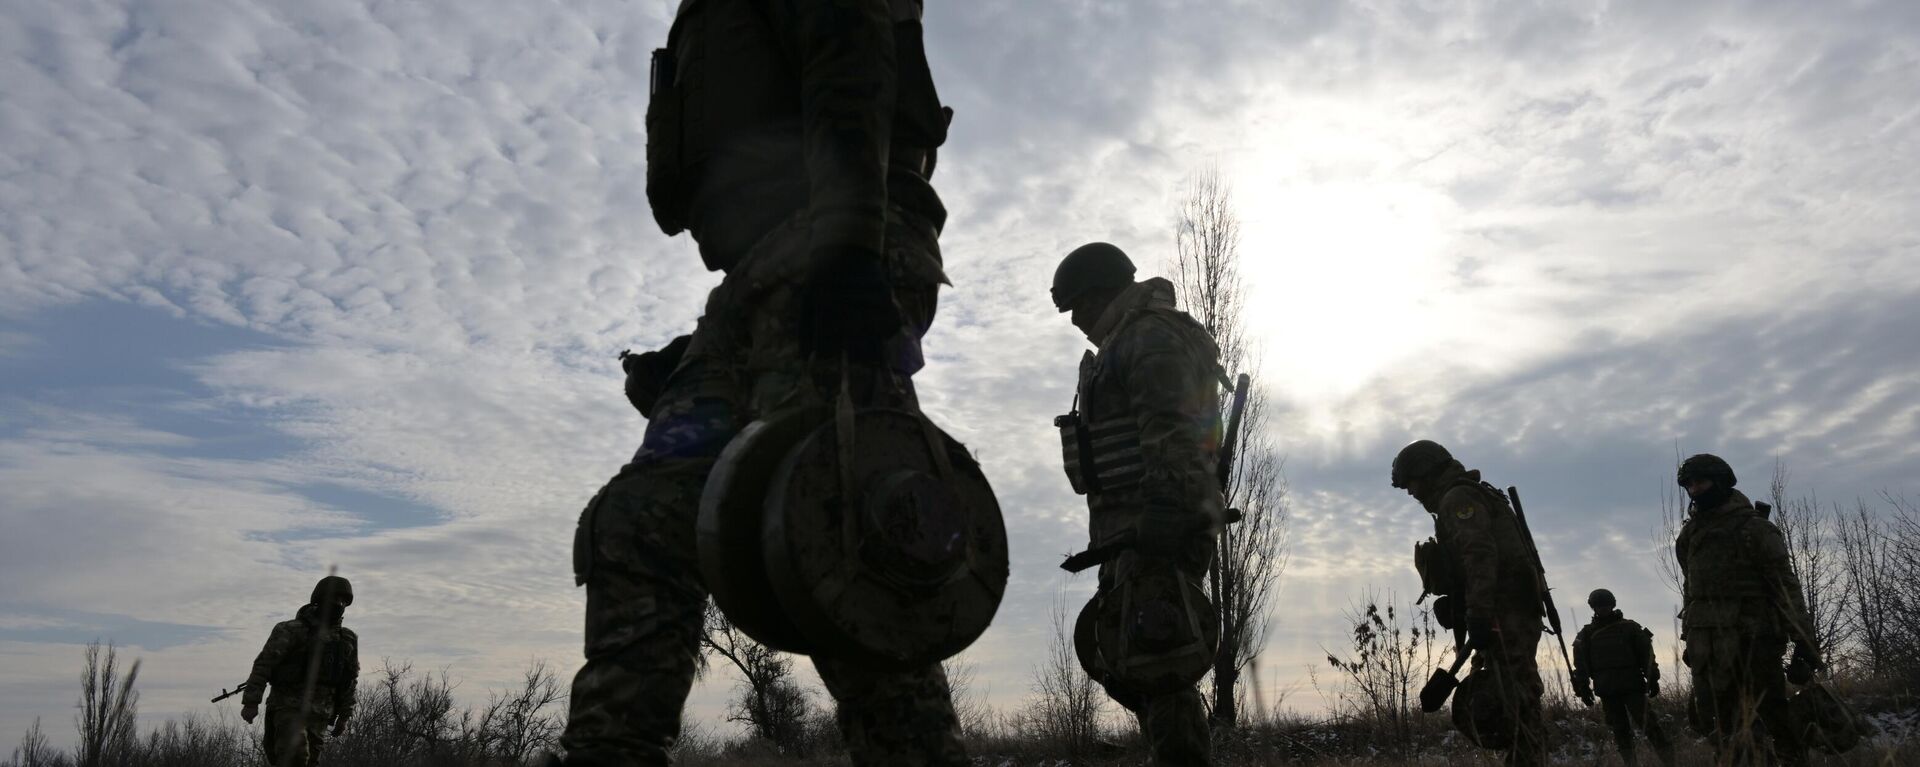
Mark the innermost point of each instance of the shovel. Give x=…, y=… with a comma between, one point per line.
x=1440, y=687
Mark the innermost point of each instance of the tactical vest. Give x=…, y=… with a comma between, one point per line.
x=336, y=662
x=1110, y=435
x=1100, y=457
x=1613, y=658
x=725, y=73
x=1725, y=584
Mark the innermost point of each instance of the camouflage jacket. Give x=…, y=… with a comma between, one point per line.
x=785, y=106
x=1735, y=573
x=282, y=663
x=1615, y=655
x=1150, y=399
x=1477, y=530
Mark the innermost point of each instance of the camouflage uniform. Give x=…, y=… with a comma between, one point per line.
x=291, y=741
x=1742, y=601
x=1499, y=584
x=1150, y=399
x=1613, y=658
x=784, y=177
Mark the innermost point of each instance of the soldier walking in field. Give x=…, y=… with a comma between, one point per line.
x=1143, y=442
x=313, y=664
x=1484, y=567
x=795, y=141
x=1742, y=606
x=1613, y=658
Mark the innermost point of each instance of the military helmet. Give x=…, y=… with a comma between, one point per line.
x=332, y=587
x=1091, y=266
x=1419, y=459
x=1706, y=466
x=1601, y=599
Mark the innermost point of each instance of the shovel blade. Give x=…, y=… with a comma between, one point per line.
x=1437, y=690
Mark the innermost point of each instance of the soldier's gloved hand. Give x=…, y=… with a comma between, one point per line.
x=1653, y=688
x=1584, y=692
x=647, y=373
x=1805, y=661
x=1481, y=633
x=848, y=305
x=248, y=712
x=339, y=726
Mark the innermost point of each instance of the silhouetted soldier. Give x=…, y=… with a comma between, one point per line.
x=1495, y=584
x=1613, y=658
x=794, y=140
x=1144, y=446
x=313, y=663
x=1742, y=605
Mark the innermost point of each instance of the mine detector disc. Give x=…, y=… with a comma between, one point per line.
x=732, y=510
x=1155, y=633
x=907, y=571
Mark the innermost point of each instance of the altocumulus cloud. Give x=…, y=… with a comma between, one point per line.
x=377, y=258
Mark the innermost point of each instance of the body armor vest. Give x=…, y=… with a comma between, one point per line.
x=1613, y=658
x=1723, y=582
x=336, y=659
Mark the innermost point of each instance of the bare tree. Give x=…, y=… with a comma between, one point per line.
x=34, y=751
x=516, y=724
x=1387, y=659
x=1815, y=559
x=1252, y=554
x=969, y=705
x=769, y=702
x=108, y=707
x=1065, y=710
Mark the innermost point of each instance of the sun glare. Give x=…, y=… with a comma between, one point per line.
x=1338, y=276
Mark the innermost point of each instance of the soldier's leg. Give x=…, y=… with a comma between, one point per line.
x=286, y=741
x=1520, y=675
x=317, y=723
x=1619, y=716
x=894, y=718
x=645, y=605
x=1769, y=684
x=1648, y=720
x=1175, y=729
x=1709, y=656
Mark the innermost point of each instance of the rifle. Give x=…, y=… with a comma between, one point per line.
x=225, y=694
x=1103, y=552
x=1546, y=592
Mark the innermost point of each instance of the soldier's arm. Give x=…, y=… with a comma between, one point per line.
x=1580, y=673
x=1473, y=541
x=1770, y=549
x=1646, y=651
x=845, y=52
x=344, y=696
x=278, y=643
x=1177, y=408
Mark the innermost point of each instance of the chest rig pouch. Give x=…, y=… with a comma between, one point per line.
x=1436, y=568
x=726, y=72
x=1100, y=456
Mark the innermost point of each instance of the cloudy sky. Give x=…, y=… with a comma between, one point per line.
x=286, y=286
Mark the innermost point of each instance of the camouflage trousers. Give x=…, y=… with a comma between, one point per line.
x=635, y=545
x=1626, y=713
x=1174, y=725
x=1738, y=686
x=291, y=742
x=1516, y=671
